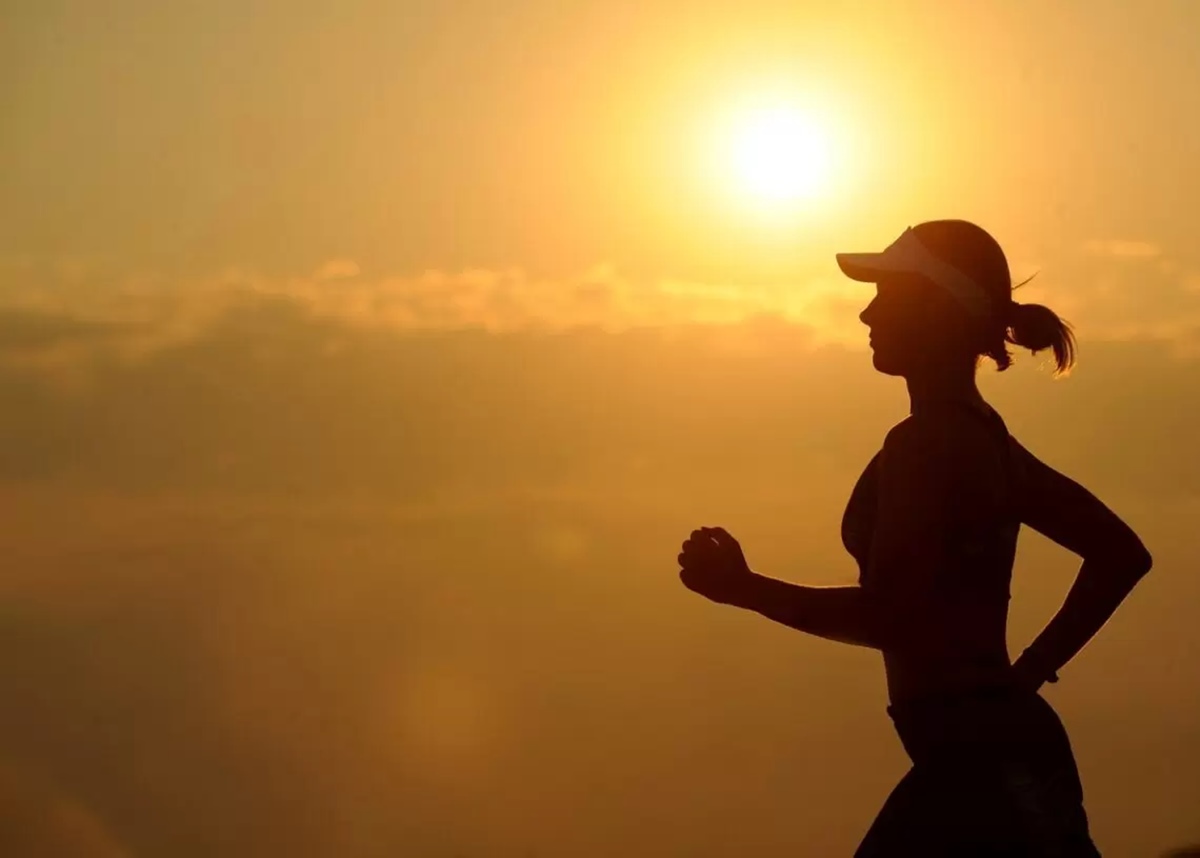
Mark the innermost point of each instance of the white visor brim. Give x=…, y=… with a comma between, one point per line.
x=907, y=255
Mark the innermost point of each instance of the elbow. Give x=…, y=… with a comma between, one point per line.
x=1129, y=561
x=1135, y=558
x=1140, y=562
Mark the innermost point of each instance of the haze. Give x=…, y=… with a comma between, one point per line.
x=363, y=365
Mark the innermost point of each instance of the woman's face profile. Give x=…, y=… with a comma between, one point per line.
x=912, y=324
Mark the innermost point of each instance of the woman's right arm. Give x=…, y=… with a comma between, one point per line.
x=842, y=614
x=1114, y=560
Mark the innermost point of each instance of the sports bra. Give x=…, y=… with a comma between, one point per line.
x=983, y=554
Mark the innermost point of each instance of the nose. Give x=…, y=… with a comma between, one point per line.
x=867, y=314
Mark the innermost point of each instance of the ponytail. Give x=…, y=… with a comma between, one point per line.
x=1035, y=327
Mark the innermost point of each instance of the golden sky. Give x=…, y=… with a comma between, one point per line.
x=363, y=365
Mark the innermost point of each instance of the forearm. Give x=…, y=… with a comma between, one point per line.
x=1098, y=590
x=842, y=614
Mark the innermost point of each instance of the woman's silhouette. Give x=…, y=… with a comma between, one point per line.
x=933, y=524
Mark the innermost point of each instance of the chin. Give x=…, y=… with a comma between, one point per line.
x=885, y=364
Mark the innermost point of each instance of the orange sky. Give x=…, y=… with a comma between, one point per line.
x=364, y=364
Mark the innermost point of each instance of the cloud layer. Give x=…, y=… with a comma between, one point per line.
x=74, y=307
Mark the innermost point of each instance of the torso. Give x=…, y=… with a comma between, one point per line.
x=972, y=651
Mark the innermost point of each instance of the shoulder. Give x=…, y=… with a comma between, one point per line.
x=947, y=447
x=941, y=434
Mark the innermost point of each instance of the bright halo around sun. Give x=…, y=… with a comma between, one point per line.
x=779, y=155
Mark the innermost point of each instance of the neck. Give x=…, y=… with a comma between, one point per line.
x=945, y=384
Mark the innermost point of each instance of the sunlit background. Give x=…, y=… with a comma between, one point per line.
x=363, y=365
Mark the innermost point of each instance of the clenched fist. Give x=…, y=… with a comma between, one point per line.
x=712, y=564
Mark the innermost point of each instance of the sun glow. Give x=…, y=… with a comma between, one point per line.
x=778, y=155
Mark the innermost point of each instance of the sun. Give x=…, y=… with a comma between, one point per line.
x=778, y=155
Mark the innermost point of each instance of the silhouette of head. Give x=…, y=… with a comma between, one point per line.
x=944, y=296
